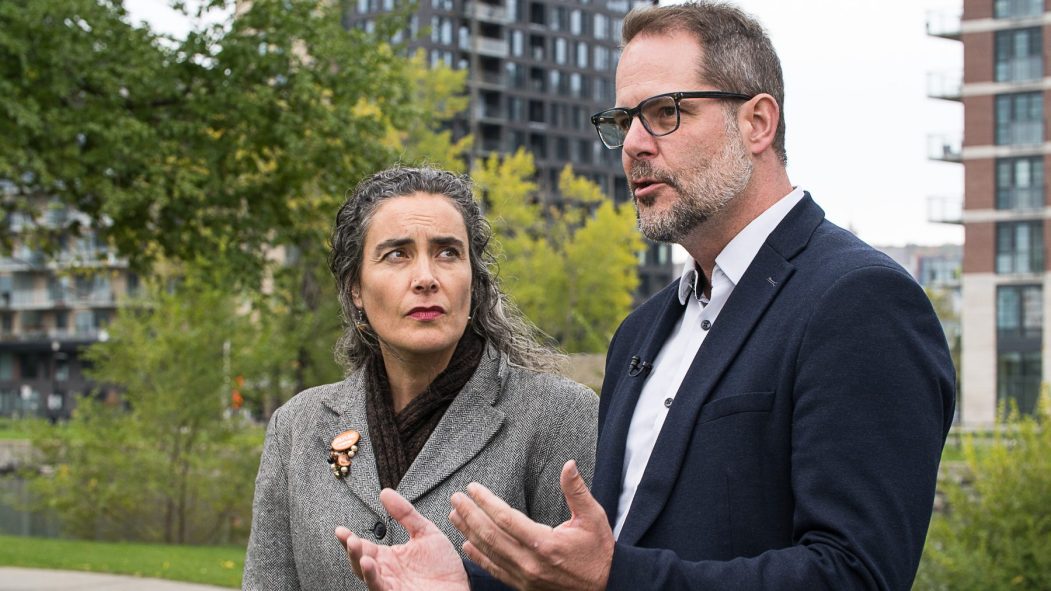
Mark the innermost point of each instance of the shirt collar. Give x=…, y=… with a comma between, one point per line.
x=738, y=254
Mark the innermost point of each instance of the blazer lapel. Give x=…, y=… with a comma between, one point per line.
x=463, y=431
x=765, y=277
x=609, y=460
x=348, y=406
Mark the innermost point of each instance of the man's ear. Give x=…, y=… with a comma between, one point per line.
x=758, y=119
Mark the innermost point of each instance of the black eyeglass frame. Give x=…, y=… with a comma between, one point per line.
x=676, y=96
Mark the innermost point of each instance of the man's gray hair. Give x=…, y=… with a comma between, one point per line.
x=493, y=316
x=738, y=54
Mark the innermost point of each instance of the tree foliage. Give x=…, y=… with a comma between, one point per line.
x=995, y=530
x=173, y=462
x=243, y=136
x=571, y=266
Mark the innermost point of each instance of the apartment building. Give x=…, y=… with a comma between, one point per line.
x=51, y=308
x=537, y=71
x=1004, y=207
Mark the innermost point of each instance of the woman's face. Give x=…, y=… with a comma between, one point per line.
x=415, y=285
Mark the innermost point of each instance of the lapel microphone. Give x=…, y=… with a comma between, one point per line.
x=638, y=366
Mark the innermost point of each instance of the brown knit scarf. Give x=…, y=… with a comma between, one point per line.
x=398, y=438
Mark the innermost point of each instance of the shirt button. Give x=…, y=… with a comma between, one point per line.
x=705, y=325
x=379, y=530
x=667, y=402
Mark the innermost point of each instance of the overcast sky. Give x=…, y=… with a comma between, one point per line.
x=856, y=108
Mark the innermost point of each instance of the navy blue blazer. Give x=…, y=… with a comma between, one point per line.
x=802, y=449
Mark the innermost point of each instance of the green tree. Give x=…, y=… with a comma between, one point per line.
x=571, y=266
x=995, y=529
x=241, y=137
x=221, y=149
x=174, y=461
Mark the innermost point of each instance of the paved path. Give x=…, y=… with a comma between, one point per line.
x=31, y=579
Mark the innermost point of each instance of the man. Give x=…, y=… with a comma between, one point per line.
x=772, y=420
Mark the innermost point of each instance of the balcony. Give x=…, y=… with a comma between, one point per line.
x=944, y=210
x=492, y=47
x=945, y=85
x=945, y=147
x=946, y=24
x=489, y=13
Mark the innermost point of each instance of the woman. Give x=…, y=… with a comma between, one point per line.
x=445, y=385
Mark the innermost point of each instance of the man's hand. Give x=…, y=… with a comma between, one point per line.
x=428, y=561
x=529, y=555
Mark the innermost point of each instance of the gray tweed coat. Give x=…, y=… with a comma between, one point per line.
x=510, y=429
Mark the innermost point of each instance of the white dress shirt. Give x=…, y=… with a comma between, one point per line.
x=679, y=351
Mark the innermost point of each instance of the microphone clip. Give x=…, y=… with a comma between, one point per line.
x=639, y=367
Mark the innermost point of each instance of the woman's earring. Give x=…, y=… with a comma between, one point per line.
x=360, y=322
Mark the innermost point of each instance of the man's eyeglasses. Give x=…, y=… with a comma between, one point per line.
x=658, y=114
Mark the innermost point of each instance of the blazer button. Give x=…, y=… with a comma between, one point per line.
x=379, y=530
x=705, y=325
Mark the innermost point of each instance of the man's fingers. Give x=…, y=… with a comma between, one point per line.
x=342, y=534
x=479, y=558
x=578, y=497
x=508, y=519
x=404, y=513
x=371, y=571
x=484, y=536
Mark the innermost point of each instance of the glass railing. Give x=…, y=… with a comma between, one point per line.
x=944, y=23
x=942, y=209
x=945, y=85
x=945, y=147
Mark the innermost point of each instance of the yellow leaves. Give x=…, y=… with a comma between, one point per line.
x=367, y=109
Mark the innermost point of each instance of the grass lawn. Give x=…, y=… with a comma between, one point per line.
x=11, y=429
x=213, y=565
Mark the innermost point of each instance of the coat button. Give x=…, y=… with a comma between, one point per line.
x=379, y=530
x=705, y=325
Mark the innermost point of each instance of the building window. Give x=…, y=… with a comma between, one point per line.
x=560, y=18
x=1019, y=312
x=601, y=26
x=1019, y=247
x=601, y=58
x=1018, y=55
x=7, y=367
x=1018, y=379
x=1017, y=8
x=536, y=112
x=561, y=51
x=538, y=145
x=517, y=43
x=537, y=14
x=1020, y=183
x=1020, y=118
x=582, y=54
x=515, y=108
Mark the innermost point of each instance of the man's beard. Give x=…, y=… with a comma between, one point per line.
x=703, y=190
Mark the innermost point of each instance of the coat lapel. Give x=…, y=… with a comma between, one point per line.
x=765, y=277
x=463, y=431
x=609, y=466
x=348, y=406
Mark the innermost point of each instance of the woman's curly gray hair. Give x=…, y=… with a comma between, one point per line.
x=493, y=316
